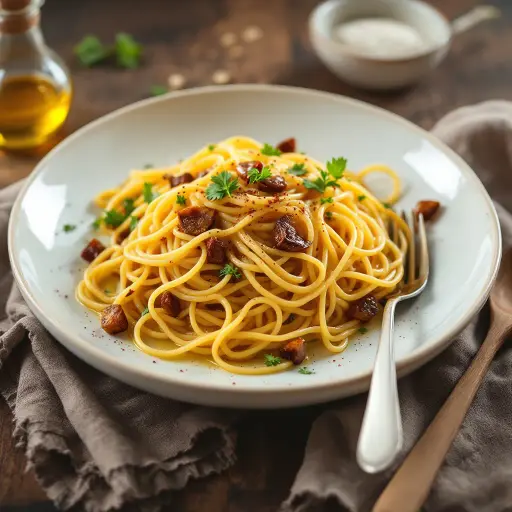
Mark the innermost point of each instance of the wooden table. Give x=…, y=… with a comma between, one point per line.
x=184, y=37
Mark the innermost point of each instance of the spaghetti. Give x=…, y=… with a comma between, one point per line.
x=261, y=291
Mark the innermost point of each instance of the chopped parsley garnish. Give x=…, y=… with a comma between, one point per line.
x=271, y=360
x=68, y=227
x=336, y=167
x=324, y=200
x=133, y=222
x=362, y=330
x=329, y=178
x=128, y=51
x=270, y=150
x=148, y=166
x=305, y=371
x=107, y=291
x=361, y=198
x=386, y=205
x=211, y=147
x=255, y=175
x=147, y=192
x=230, y=270
x=328, y=215
x=129, y=206
x=90, y=50
x=113, y=218
x=223, y=184
x=181, y=200
x=297, y=170
x=145, y=312
x=158, y=90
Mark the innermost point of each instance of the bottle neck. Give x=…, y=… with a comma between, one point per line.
x=20, y=21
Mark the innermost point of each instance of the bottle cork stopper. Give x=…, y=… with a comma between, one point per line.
x=14, y=5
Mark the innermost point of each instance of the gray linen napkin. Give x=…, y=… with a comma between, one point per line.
x=97, y=445
x=477, y=473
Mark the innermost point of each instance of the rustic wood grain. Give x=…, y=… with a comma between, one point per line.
x=183, y=37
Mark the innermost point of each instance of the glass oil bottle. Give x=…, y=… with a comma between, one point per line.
x=35, y=85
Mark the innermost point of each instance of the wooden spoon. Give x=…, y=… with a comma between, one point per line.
x=409, y=488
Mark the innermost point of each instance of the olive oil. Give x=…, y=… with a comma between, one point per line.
x=32, y=108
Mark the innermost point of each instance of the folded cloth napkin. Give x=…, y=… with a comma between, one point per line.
x=96, y=444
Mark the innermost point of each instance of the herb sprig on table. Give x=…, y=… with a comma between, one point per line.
x=90, y=51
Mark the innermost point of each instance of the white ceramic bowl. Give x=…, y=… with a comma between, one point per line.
x=465, y=240
x=368, y=72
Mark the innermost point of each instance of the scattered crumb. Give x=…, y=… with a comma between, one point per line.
x=221, y=76
x=252, y=33
x=227, y=39
x=176, y=81
x=235, y=52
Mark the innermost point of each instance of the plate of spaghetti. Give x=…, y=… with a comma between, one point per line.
x=236, y=250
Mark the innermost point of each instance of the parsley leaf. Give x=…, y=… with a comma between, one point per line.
x=145, y=312
x=181, y=200
x=230, y=270
x=386, y=205
x=158, y=90
x=305, y=371
x=129, y=206
x=128, y=51
x=113, y=218
x=297, y=170
x=255, y=175
x=362, y=330
x=68, y=227
x=211, y=147
x=133, y=222
x=321, y=183
x=336, y=167
x=96, y=224
x=324, y=200
x=361, y=198
x=222, y=185
x=90, y=50
x=328, y=215
x=270, y=150
x=271, y=360
x=147, y=192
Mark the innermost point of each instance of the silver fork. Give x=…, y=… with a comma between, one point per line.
x=381, y=436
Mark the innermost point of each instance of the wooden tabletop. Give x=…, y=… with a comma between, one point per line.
x=185, y=38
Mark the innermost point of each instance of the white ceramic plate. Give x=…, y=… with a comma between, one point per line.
x=464, y=241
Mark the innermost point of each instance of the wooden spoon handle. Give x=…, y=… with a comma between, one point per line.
x=409, y=488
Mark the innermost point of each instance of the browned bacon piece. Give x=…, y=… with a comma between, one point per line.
x=92, y=250
x=195, y=220
x=216, y=250
x=294, y=351
x=364, y=309
x=170, y=304
x=180, y=179
x=273, y=185
x=427, y=208
x=113, y=319
x=286, y=237
x=287, y=145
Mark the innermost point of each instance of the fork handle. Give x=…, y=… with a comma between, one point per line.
x=381, y=436
x=410, y=486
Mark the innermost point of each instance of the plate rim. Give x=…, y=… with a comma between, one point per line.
x=407, y=364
